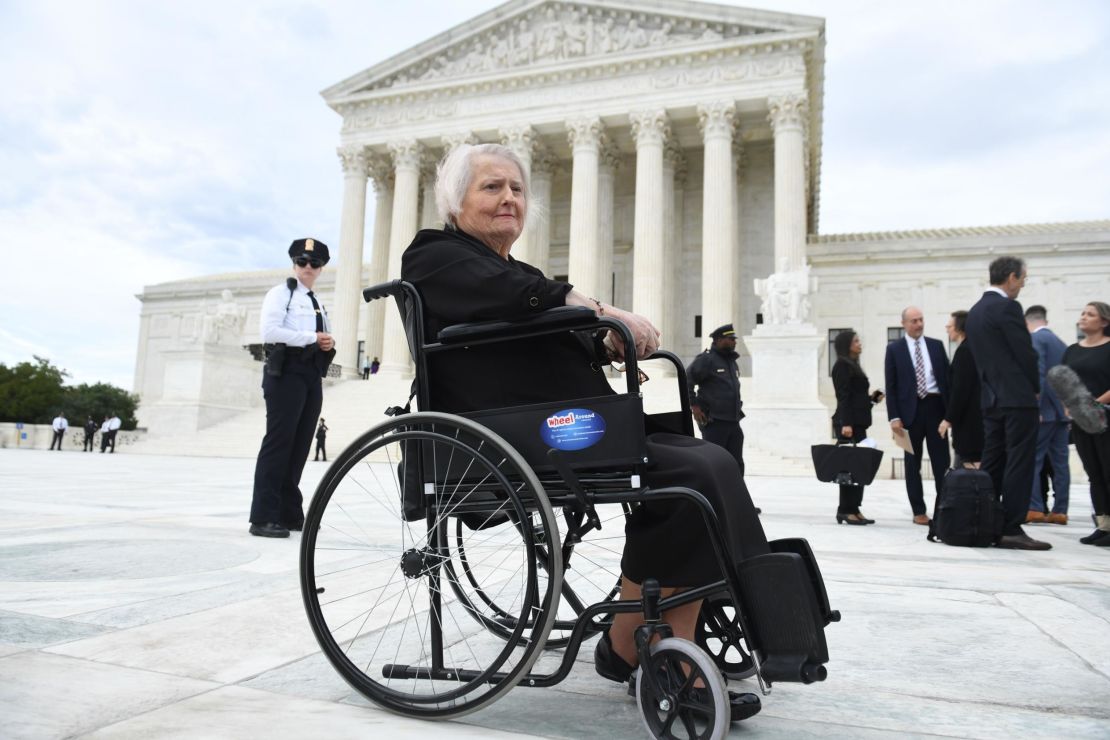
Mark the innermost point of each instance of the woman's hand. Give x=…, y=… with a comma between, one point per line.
x=942, y=430
x=643, y=333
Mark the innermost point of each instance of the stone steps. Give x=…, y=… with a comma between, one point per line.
x=353, y=406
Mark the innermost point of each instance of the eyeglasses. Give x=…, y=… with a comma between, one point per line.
x=305, y=262
x=640, y=374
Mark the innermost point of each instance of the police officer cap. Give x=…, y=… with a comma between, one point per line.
x=724, y=331
x=313, y=249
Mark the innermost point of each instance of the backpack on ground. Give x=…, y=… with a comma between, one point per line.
x=967, y=512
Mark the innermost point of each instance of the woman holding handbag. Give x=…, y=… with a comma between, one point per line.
x=852, y=416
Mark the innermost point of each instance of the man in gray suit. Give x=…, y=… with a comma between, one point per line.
x=1052, y=433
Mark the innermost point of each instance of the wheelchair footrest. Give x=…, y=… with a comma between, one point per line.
x=785, y=620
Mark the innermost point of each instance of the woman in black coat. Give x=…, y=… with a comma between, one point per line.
x=852, y=416
x=964, y=415
x=464, y=272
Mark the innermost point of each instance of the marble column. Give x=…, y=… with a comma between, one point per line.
x=608, y=164
x=381, y=172
x=429, y=218
x=521, y=139
x=649, y=130
x=788, y=114
x=585, y=136
x=348, y=274
x=544, y=165
x=406, y=189
x=718, y=250
x=674, y=180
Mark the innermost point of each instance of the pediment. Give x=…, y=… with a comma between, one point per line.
x=525, y=34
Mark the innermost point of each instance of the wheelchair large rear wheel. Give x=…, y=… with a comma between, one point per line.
x=372, y=567
x=591, y=575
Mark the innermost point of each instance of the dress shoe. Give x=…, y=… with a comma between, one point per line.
x=865, y=519
x=1056, y=518
x=1035, y=517
x=295, y=527
x=608, y=664
x=1095, y=537
x=269, y=529
x=855, y=519
x=922, y=519
x=741, y=705
x=1021, y=542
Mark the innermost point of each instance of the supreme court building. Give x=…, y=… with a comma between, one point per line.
x=674, y=151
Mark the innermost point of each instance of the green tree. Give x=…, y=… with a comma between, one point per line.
x=98, y=401
x=31, y=392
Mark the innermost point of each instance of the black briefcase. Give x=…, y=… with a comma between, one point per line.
x=846, y=464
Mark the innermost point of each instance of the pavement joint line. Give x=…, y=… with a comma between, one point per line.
x=1051, y=637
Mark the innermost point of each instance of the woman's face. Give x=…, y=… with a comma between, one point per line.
x=1090, y=322
x=953, y=333
x=494, y=207
x=856, y=347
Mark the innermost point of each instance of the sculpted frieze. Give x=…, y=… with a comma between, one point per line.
x=559, y=32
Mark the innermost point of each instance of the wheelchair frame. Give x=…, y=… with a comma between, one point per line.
x=568, y=490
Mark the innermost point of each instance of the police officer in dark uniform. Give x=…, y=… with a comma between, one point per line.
x=716, y=403
x=299, y=348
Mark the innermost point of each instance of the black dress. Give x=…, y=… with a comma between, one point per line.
x=964, y=411
x=853, y=409
x=1092, y=365
x=460, y=279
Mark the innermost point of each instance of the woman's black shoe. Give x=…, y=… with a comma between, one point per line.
x=1097, y=537
x=865, y=519
x=844, y=519
x=741, y=706
x=608, y=664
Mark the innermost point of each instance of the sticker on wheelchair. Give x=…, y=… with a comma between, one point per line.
x=573, y=429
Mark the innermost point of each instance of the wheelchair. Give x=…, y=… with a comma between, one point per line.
x=444, y=556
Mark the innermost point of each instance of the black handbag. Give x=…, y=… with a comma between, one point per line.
x=849, y=465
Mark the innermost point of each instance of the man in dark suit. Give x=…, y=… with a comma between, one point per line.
x=1007, y=363
x=1052, y=432
x=916, y=386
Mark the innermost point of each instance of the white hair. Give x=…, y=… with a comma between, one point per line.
x=456, y=172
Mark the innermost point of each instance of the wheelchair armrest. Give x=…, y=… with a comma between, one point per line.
x=561, y=317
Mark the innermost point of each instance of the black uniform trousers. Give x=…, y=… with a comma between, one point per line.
x=58, y=437
x=108, y=439
x=321, y=448
x=923, y=431
x=729, y=435
x=1009, y=451
x=293, y=403
x=89, y=438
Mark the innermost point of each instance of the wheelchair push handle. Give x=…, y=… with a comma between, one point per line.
x=393, y=288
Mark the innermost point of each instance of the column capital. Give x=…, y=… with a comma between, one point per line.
x=355, y=160
x=380, y=171
x=673, y=156
x=521, y=138
x=716, y=119
x=428, y=163
x=585, y=133
x=457, y=139
x=544, y=161
x=650, y=126
x=406, y=154
x=609, y=154
x=788, y=111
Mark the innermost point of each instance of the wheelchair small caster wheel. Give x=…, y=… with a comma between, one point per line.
x=687, y=698
x=718, y=633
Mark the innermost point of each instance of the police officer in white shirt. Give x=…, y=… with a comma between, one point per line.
x=114, y=425
x=60, y=425
x=299, y=347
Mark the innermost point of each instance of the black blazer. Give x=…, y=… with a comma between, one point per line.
x=853, y=406
x=964, y=413
x=901, y=380
x=1003, y=352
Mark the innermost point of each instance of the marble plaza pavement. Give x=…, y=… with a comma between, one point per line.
x=133, y=604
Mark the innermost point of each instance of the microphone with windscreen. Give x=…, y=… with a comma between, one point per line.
x=1084, y=410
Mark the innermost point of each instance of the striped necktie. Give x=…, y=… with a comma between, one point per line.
x=919, y=369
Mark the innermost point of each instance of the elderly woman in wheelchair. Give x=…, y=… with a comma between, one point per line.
x=438, y=526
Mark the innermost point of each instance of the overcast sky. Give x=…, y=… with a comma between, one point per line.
x=142, y=142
